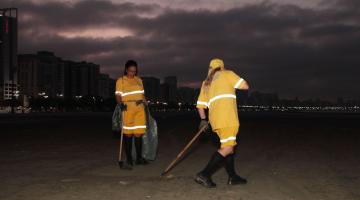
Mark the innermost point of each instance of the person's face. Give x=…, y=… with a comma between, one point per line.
x=131, y=71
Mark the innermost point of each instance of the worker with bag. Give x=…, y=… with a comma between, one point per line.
x=134, y=117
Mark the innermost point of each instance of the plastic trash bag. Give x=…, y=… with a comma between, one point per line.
x=116, y=119
x=150, y=138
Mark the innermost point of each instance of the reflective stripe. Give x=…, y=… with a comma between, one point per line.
x=133, y=127
x=238, y=83
x=220, y=97
x=119, y=92
x=228, y=139
x=216, y=98
x=133, y=92
x=202, y=103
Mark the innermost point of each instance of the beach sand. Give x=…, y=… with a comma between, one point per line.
x=283, y=156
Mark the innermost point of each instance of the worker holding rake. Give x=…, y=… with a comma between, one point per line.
x=218, y=95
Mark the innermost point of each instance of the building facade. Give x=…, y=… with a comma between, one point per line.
x=46, y=75
x=152, y=88
x=8, y=54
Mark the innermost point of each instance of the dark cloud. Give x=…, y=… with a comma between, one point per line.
x=278, y=48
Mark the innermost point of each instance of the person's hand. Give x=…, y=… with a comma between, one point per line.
x=204, y=123
x=123, y=106
x=138, y=102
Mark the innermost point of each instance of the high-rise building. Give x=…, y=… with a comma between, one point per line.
x=112, y=83
x=152, y=88
x=28, y=67
x=106, y=90
x=171, y=81
x=164, y=92
x=8, y=54
x=50, y=74
x=44, y=74
x=84, y=79
x=187, y=95
x=41, y=74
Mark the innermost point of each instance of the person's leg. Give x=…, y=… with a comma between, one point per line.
x=234, y=179
x=138, y=145
x=140, y=123
x=128, y=149
x=226, y=150
x=228, y=143
x=215, y=162
x=204, y=177
x=128, y=122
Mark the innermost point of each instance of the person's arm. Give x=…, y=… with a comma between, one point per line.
x=236, y=81
x=243, y=85
x=144, y=99
x=202, y=114
x=201, y=105
x=143, y=96
x=119, y=92
x=118, y=98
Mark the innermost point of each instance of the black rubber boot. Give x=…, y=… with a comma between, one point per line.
x=204, y=177
x=234, y=179
x=138, y=145
x=128, y=148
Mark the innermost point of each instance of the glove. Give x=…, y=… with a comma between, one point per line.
x=123, y=106
x=203, y=123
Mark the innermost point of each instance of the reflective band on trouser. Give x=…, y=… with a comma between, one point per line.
x=221, y=97
x=227, y=139
x=133, y=127
x=118, y=93
x=133, y=92
x=238, y=83
x=227, y=136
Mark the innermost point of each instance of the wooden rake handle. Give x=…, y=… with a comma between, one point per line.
x=184, y=150
x=121, y=137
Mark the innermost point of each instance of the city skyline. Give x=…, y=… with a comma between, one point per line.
x=164, y=89
x=156, y=89
x=306, y=49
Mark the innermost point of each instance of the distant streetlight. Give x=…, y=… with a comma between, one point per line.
x=42, y=94
x=59, y=95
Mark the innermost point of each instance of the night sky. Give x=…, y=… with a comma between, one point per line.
x=308, y=48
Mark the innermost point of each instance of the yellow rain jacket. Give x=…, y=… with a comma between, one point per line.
x=220, y=98
x=132, y=90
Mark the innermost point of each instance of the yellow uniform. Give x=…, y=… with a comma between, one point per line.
x=220, y=98
x=132, y=90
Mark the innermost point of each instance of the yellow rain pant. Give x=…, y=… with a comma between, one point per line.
x=134, y=119
x=227, y=135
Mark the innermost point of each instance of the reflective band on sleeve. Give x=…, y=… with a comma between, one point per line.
x=133, y=92
x=227, y=139
x=220, y=97
x=133, y=127
x=238, y=83
x=118, y=93
x=202, y=103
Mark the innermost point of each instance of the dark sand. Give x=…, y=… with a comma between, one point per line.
x=283, y=156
